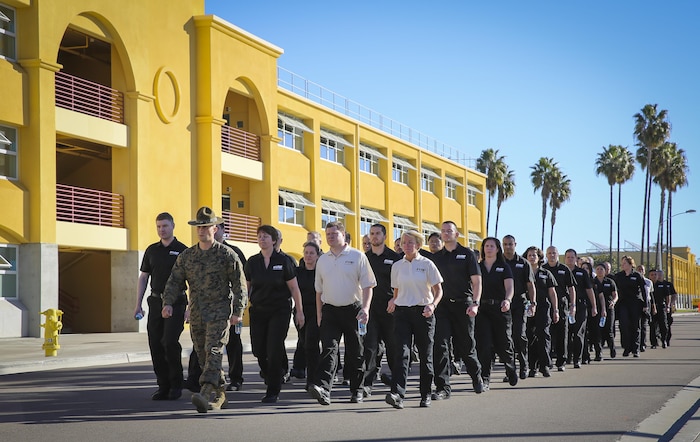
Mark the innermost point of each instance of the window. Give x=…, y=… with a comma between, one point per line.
x=8, y=271
x=291, y=207
x=369, y=217
x=427, y=179
x=471, y=194
x=402, y=224
x=332, y=146
x=472, y=240
x=332, y=211
x=450, y=190
x=291, y=130
x=399, y=170
x=428, y=229
x=8, y=152
x=368, y=163
x=8, y=37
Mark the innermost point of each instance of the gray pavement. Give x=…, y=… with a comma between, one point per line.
x=677, y=419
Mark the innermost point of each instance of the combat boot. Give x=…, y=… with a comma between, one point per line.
x=220, y=399
x=201, y=399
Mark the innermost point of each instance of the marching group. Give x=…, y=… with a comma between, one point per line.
x=438, y=309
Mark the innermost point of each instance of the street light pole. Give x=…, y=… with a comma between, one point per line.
x=670, y=241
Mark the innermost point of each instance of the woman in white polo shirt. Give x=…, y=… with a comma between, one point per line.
x=417, y=291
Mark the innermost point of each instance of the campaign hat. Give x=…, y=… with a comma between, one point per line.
x=206, y=217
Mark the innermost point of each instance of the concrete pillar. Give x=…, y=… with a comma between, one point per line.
x=38, y=282
x=125, y=275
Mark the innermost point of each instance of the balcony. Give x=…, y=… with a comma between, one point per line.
x=90, y=98
x=241, y=227
x=240, y=143
x=89, y=206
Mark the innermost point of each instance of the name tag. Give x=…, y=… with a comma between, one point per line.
x=461, y=257
x=519, y=266
x=277, y=267
x=349, y=262
x=579, y=273
x=561, y=272
x=388, y=261
x=633, y=278
x=174, y=253
x=499, y=269
x=420, y=270
x=543, y=276
x=607, y=285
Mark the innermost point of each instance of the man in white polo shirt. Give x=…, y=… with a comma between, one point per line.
x=344, y=282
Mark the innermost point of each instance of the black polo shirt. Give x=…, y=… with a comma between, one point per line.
x=564, y=277
x=457, y=268
x=583, y=282
x=662, y=291
x=268, y=285
x=630, y=288
x=522, y=274
x=381, y=266
x=544, y=280
x=493, y=286
x=158, y=261
x=305, y=279
x=607, y=287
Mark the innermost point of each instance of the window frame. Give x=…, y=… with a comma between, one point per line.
x=328, y=215
x=427, y=182
x=13, y=271
x=287, y=132
x=399, y=173
x=367, y=159
x=471, y=197
x=11, y=152
x=295, y=209
x=327, y=146
x=450, y=190
x=10, y=34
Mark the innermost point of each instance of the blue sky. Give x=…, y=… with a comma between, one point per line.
x=531, y=79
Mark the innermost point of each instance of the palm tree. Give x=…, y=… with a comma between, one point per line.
x=660, y=165
x=651, y=129
x=561, y=193
x=494, y=167
x=542, y=179
x=677, y=176
x=505, y=191
x=625, y=171
x=605, y=165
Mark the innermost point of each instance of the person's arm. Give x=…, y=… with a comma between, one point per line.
x=591, y=298
x=293, y=286
x=505, y=304
x=571, y=290
x=555, y=304
x=366, y=300
x=473, y=309
x=391, y=306
x=429, y=309
x=142, y=284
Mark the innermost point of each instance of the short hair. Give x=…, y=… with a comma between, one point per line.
x=434, y=235
x=165, y=216
x=314, y=245
x=266, y=228
x=509, y=236
x=538, y=252
x=415, y=235
x=450, y=222
x=379, y=226
x=222, y=225
x=629, y=260
x=337, y=224
x=572, y=251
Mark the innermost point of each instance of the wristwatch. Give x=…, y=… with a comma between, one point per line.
x=475, y=303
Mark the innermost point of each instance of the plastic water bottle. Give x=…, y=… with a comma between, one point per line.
x=238, y=328
x=602, y=321
x=138, y=316
x=528, y=312
x=361, y=328
x=572, y=319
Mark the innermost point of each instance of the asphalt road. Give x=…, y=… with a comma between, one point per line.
x=599, y=402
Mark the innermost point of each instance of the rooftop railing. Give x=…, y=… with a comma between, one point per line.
x=317, y=93
x=239, y=142
x=240, y=227
x=90, y=98
x=89, y=206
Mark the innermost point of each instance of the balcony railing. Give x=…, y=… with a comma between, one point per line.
x=89, y=206
x=90, y=98
x=241, y=227
x=241, y=143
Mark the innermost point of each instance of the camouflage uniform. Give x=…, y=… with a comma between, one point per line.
x=217, y=289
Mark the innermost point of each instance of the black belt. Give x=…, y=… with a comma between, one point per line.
x=460, y=300
x=491, y=301
x=410, y=307
x=354, y=305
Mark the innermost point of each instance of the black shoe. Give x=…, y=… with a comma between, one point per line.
x=394, y=400
x=270, y=399
x=174, y=393
x=663, y=345
x=598, y=358
x=346, y=382
x=386, y=379
x=561, y=368
x=356, y=397
x=625, y=353
x=512, y=376
x=194, y=387
x=440, y=395
x=297, y=373
x=160, y=394
x=234, y=386
x=532, y=374
x=653, y=347
x=456, y=368
x=425, y=401
x=635, y=354
x=577, y=365
x=643, y=349
x=613, y=353
x=478, y=385
x=523, y=373
x=320, y=394
x=546, y=373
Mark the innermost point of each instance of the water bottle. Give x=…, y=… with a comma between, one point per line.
x=238, y=327
x=528, y=312
x=602, y=321
x=138, y=316
x=361, y=328
x=572, y=318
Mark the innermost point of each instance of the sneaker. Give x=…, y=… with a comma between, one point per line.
x=270, y=399
x=577, y=365
x=598, y=358
x=486, y=384
x=234, y=386
x=635, y=354
x=440, y=395
x=523, y=373
x=366, y=391
x=394, y=400
x=320, y=394
x=356, y=397
x=425, y=401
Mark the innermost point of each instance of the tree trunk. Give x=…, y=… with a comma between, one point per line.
x=670, y=238
x=553, y=221
x=498, y=214
x=544, y=216
x=649, y=225
x=660, y=236
x=611, y=220
x=644, y=213
x=488, y=214
x=619, y=206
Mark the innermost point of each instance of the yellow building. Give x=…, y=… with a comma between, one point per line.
x=112, y=112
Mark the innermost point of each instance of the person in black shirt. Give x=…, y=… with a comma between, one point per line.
x=664, y=298
x=546, y=310
x=381, y=323
x=566, y=294
x=163, y=334
x=272, y=284
x=494, y=321
x=306, y=275
x=606, y=289
x=630, y=286
x=585, y=299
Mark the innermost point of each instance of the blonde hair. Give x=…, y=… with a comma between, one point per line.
x=415, y=235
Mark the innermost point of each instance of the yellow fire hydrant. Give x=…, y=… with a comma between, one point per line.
x=52, y=326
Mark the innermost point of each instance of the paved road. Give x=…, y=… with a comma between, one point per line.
x=599, y=402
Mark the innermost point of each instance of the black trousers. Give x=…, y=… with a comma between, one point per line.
x=312, y=341
x=452, y=321
x=539, y=336
x=268, y=330
x=493, y=334
x=560, y=333
x=519, y=333
x=380, y=328
x=607, y=333
x=644, y=321
x=412, y=326
x=164, y=343
x=577, y=332
x=630, y=325
x=337, y=322
x=234, y=354
x=669, y=321
x=659, y=326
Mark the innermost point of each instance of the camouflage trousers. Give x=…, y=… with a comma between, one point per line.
x=209, y=340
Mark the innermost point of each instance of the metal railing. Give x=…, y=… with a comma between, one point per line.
x=89, y=206
x=88, y=97
x=239, y=142
x=241, y=227
x=317, y=93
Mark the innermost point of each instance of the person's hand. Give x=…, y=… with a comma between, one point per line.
x=555, y=316
x=472, y=310
x=139, y=310
x=167, y=311
x=428, y=310
x=235, y=320
x=391, y=306
x=594, y=311
x=363, y=316
x=300, y=319
x=533, y=309
x=505, y=305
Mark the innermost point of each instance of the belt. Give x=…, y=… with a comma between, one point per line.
x=460, y=300
x=157, y=295
x=410, y=307
x=491, y=301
